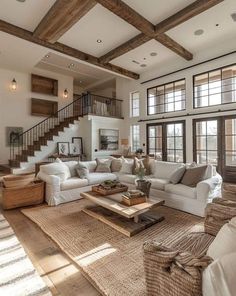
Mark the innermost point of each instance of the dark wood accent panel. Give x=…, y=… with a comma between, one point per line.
x=62, y=48
x=43, y=107
x=61, y=17
x=44, y=85
x=185, y=14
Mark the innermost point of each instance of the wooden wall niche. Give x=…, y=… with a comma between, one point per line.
x=43, y=107
x=44, y=85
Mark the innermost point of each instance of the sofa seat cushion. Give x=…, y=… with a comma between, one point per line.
x=182, y=190
x=158, y=183
x=73, y=183
x=126, y=178
x=96, y=178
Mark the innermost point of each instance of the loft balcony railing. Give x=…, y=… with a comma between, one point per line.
x=24, y=145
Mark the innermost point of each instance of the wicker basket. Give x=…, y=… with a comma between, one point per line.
x=32, y=194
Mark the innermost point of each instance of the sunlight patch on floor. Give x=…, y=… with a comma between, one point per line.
x=95, y=254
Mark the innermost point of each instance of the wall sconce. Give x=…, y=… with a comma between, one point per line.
x=13, y=84
x=65, y=94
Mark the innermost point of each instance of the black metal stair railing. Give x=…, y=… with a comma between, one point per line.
x=25, y=144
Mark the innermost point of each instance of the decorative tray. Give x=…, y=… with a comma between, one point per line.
x=107, y=188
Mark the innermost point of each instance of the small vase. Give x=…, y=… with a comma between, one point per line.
x=144, y=186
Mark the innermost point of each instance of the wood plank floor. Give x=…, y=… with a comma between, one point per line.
x=61, y=275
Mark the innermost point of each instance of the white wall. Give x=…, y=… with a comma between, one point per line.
x=124, y=87
x=89, y=130
x=15, y=106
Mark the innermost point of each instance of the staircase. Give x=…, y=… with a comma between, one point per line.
x=29, y=142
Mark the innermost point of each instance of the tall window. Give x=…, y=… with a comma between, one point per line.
x=167, y=141
x=230, y=142
x=206, y=141
x=215, y=87
x=168, y=97
x=135, y=136
x=134, y=104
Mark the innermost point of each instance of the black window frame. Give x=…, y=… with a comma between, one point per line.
x=164, y=138
x=164, y=104
x=208, y=72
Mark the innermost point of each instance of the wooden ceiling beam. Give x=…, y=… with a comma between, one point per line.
x=174, y=46
x=61, y=17
x=62, y=48
x=185, y=14
x=129, y=15
x=124, y=48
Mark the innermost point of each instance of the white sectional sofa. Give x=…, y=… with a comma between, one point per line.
x=61, y=189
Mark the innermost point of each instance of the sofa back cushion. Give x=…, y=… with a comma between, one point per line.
x=164, y=169
x=57, y=169
x=103, y=165
x=90, y=165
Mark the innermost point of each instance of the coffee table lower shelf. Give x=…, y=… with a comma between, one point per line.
x=124, y=225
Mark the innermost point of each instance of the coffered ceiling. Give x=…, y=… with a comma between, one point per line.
x=131, y=43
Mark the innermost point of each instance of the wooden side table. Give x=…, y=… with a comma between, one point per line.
x=15, y=197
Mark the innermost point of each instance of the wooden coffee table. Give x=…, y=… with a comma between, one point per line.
x=127, y=219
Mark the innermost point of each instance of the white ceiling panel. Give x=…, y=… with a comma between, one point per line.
x=26, y=15
x=83, y=73
x=157, y=10
x=134, y=59
x=98, y=23
x=18, y=54
x=207, y=21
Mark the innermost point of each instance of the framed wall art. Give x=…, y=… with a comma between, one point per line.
x=108, y=139
x=63, y=148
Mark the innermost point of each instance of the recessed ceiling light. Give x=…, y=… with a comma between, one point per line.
x=143, y=65
x=20, y=0
x=99, y=40
x=47, y=56
x=153, y=54
x=198, y=32
x=233, y=15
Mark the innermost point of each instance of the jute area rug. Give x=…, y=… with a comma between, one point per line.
x=111, y=261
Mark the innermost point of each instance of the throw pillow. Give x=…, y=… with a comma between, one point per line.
x=193, y=176
x=177, y=175
x=103, y=165
x=116, y=164
x=82, y=170
x=218, y=278
x=224, y=242
x=127, y=166
x=147, y=164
